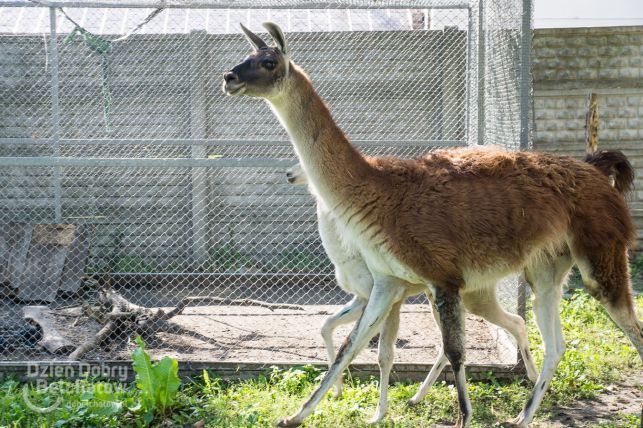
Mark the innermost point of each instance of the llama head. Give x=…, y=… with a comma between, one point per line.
x=261, y=73
x=296, y=175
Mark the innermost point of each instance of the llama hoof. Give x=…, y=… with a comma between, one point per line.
x=288, y=422
x=513, y=423
x=337, y=393
x=412, y=402
x=377, y=418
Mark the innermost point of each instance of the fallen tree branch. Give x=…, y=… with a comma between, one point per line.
x=96, y=340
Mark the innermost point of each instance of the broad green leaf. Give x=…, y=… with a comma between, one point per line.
x=145, y=380
x=167, y=381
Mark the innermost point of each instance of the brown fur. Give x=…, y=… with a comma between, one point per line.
x=614, y=164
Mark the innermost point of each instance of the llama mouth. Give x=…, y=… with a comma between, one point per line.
x=232, y=90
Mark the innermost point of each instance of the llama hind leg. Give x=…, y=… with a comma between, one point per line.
x=546, y=279
x=606, y=277
x=484, y=303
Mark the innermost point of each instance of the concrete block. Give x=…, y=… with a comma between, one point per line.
x=607, y=51
x=553, y=103
x=577, y=42
x=627, y=50
x=629, y=73
x=543, y=114
x=553, y=63
x=551, y=125
x=615, y=123
x=618, y=39
x=588, y=74
x=607, y=133
x=607, y=73
x=616, y=62
x=564, y=74
x=554, y=42
x=594, y=62
x=635, y=61
x=547, y=53
x=625, y=112
x=549, y=75
x=628, y=134
x=568, y=136
x=574, y=102
x=564, y=114
x=596, y=41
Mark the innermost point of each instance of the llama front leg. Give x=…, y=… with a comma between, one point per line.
x=385, y=293
x=348, y=313
x=385, y=353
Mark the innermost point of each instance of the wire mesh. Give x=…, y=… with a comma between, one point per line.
x=129, y=182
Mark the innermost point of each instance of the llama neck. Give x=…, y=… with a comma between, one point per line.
x=333, y=165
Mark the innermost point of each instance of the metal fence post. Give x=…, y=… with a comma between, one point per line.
x=480, y=74
x=55, y=112
x=525, y=143
x=198, y=114
x=525, y=74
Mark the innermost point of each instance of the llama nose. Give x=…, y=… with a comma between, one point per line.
x=229, y=76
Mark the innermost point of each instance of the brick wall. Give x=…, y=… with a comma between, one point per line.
x=570, y=63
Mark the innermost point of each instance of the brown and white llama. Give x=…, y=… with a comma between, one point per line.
x=455, y=221
x=353, y=277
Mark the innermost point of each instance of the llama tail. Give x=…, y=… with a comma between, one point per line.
x=614, y=163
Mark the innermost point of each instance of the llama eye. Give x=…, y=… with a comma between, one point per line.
x=268, y=64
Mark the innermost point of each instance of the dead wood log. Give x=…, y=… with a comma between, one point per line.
x=51, y=340
x=96, y=340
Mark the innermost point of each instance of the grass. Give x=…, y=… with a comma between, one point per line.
x=597, y=355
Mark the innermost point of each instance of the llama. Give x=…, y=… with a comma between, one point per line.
x=353, y=277
x=455, y=221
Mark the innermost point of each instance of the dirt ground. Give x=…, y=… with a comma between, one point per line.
x=262, y=335
x=626, y=397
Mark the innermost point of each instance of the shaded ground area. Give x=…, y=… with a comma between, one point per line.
x=625, y=397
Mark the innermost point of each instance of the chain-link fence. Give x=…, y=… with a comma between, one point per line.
x=135, y=198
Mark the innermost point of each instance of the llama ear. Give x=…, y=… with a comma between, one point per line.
x=254, y=40
x=278, y=36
